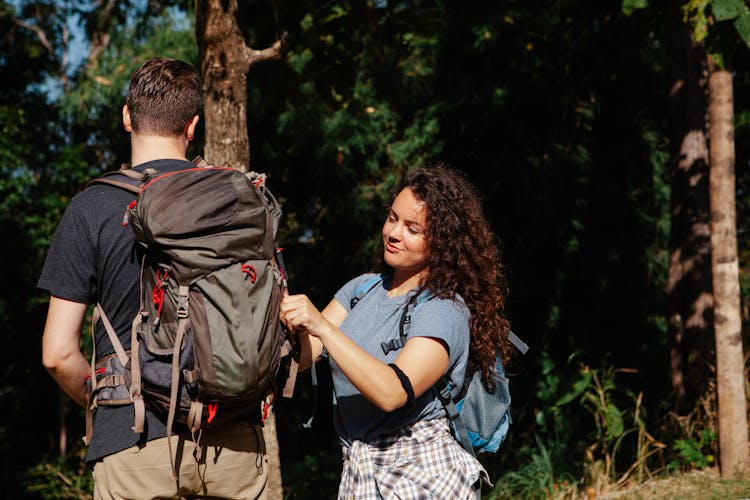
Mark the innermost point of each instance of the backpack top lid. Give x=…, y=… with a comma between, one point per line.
x=205, y=218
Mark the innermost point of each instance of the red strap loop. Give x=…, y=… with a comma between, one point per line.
x=212, y=408
x=98, y=371
x=126, y=216
x=249, y=269
x=158, y=293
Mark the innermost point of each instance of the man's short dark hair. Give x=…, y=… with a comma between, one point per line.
x=164, y=95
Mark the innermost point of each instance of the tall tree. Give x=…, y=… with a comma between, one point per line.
x=225, y=60
x=719, y=22
x=730, y=361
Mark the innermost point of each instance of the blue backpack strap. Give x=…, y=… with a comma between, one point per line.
x=405, y=323
x=364, y=288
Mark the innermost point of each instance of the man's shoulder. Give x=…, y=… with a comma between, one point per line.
x=103, y=194
x=153, y=167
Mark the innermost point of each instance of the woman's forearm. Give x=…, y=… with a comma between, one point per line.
x=375, y=380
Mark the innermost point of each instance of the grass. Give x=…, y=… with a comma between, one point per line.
x=703, y=484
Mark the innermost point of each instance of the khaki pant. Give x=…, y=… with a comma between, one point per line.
x=233, y=466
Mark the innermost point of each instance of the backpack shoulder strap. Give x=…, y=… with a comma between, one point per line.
x=405, y=323
x=443, y=389
x=364, y=288
x=122, y=356
x=125, y=178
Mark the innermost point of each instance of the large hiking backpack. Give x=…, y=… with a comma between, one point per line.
x=206, y=343
x=480, y=418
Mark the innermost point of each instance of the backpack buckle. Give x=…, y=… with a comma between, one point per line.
x=182, y=309
x=182, y=302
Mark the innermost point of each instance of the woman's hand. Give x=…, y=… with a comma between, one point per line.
x=298, y=312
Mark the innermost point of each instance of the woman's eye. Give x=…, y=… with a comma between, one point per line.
x=413, y=230
x=391, y=218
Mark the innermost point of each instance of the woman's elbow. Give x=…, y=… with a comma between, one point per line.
x=390, y=402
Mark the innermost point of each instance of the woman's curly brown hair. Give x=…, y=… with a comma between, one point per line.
x=464, y=259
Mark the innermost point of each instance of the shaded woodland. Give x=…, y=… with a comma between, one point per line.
x=583, y=123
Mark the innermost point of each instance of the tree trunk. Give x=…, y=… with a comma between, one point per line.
x=730, y=378
x=689, y=293
x=275, y=487
x=225, y=61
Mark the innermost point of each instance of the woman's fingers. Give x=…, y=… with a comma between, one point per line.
x=298, y=311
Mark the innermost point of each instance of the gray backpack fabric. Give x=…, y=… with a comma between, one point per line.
x=207, y=342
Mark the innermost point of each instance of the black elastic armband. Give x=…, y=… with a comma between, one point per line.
x=405, y=383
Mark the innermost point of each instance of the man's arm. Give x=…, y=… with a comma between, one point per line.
x=61, y=352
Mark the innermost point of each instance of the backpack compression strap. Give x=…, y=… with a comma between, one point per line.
x=122, y=356
x=182, y=315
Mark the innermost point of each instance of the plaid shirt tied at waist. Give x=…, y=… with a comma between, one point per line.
x=420, y=461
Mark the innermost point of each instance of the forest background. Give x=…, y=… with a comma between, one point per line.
x=571, y=117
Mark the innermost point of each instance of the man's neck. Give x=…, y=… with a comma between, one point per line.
x=145, y=148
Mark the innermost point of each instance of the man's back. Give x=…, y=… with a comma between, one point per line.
x=93, y=259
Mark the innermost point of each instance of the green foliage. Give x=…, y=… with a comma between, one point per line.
x=710, y=19
x=630, y=6
x=613, y=445
x=538, y=478
x=695, y=452
x=60, y=478
x=695, y=14
x=725, y=10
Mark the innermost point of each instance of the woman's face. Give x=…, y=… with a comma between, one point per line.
x=404, y=236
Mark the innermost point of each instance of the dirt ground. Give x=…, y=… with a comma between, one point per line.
x=696, y=485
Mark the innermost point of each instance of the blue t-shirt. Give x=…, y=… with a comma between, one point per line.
x=376, y=318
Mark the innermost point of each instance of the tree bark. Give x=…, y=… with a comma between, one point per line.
x=730, y=378
x=689, y=292
x=225, y=62
x=275, y=486
x=100, y=37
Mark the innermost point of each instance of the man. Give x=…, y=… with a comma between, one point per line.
x=93, y=259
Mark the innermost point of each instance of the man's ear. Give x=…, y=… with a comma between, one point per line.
x=126, y=122
x=190, y=128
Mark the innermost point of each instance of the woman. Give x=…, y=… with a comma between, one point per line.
x=396, y=439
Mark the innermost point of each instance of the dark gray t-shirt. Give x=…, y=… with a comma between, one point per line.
x=375, y=319
x=93, y=258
